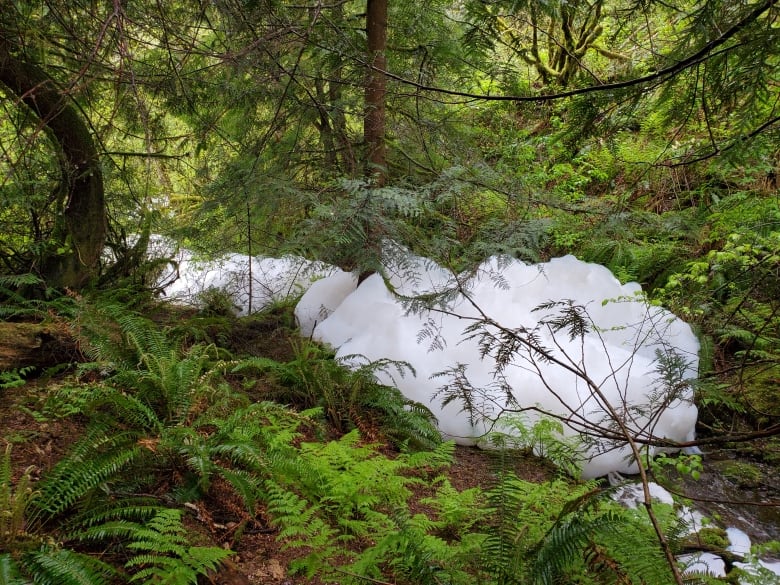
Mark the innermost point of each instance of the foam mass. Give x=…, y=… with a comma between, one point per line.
x=597, y=356
x=250, y=282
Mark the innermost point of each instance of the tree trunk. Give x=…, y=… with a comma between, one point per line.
x=339, y=121
x=324, y=126
x=376, y=88
x=80, y=227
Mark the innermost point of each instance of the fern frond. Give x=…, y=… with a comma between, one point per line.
x=141, y=334
x=97, y=458
x=246, y=453
x=404, y=421
x=113, y=530
x=15, y=377
x=438, y=458
x=247, y=486
x=301, y=526
x=634, y=549
x=100, y=336
x=259, y=364
x=114, y=406
x=65, y=567
x=19, y=280
x=10, y=571
x=132, y=509
x=14, y=501
x=286, y=508
x=165, y=555
x=15, y=304
x=564, y=546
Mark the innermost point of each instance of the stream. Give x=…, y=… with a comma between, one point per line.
x=739, y=494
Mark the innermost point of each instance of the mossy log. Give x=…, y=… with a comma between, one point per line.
x=35, y=344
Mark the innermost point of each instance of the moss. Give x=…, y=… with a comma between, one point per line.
x=714, y=537
x=771, y=452
x=761, y=391
x=741, y=473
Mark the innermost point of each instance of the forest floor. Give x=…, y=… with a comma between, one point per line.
x=39, y=441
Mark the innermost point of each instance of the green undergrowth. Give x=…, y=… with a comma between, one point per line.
x=352, y=477
x=731, y=294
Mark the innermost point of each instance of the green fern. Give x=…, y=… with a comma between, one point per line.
x=10, y=572
x=177, y=378
x=732, y=294
x=242, y=448
x=347, y=509
x=540, y=532
x=341, y=494
x=567, y=544
x=14, y=501
x=414, y=555
x=114, y=336
x=166, y=555
x=29, y=554
x=301, y=526
x=350, y=397
x=544, y=438
x=110, y=406
x=402, y=421
x=19, y=280
x=142, y=357
x=141, y=415
x=594, y=535
x=90, y=522
x=454, y=510
x=14, y=378
x=52, y=566
x=95, y=460
x=154, y=537
x=16, y=304
x=640, y=246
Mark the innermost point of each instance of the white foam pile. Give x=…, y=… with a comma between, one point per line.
x=592, y=382
x=587, y=381
x=619, y=355
x=251, y=283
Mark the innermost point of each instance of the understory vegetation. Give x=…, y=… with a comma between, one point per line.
x=145, y=442
x=348, y=475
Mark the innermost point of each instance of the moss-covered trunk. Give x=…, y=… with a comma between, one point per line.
x=80, y=228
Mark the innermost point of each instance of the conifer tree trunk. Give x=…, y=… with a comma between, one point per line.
x=80, y=227
x=374, y=120
x=376, y=88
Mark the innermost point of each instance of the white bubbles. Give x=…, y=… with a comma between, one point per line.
x=250, y=283
x=631, y=495
x=624, y=374
x=613, y=369
x=739, y=541
x=322, y=298
x=627, y=369
x=703, y=564
x=740, y=544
